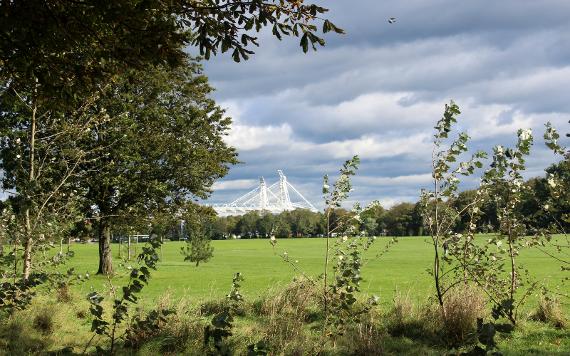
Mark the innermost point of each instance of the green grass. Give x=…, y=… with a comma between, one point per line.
x=186, y=287
x=403, y=268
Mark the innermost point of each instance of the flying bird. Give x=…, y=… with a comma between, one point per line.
x=391, y=20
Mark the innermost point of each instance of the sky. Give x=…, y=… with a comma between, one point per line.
x=378, y=90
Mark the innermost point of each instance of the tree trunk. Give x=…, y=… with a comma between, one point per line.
x=28, y=247
x=197, y=263
x=29, y=240
x=105, y=257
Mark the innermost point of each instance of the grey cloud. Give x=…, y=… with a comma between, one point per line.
x=507, y=64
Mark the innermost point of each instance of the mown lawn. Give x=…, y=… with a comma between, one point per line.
x=403, y=268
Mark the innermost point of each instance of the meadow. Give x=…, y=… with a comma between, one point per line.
x=403, y=268
x=285, y=313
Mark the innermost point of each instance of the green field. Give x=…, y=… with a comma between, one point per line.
x=402, y=268
x=197, y=294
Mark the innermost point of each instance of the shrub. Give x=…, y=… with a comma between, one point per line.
x=454, y=325
x=296, y=298
x=17, y=338
x=549, y=311
x=365, y=337
x=216, y=306
x=284, y=315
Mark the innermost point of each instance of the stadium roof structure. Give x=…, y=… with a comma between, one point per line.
x=279, y=197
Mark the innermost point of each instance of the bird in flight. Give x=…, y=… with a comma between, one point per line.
x=391, y=20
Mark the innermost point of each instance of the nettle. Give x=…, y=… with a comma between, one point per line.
x=220, y=328
x=222, y=323
x=440, y=216
x=138, y=278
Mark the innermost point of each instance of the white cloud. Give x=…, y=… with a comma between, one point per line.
x=235, y=184
x=246, y=138
x=415, y=179
x=374, y=147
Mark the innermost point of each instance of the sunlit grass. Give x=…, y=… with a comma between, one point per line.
x=403, y=268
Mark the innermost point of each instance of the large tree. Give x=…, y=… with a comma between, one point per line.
x=58, y=57
x=164, y=147
x=40, y=158
x=67, y=44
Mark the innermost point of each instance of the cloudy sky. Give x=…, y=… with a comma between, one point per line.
x=378, y=91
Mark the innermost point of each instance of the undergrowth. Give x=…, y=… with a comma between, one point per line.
x=285, y=321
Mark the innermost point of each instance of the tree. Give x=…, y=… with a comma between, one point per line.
x=371, y=221
x=164, y=147
x=198, y=228
x=41, y=159
x=247, y=225
x=398, y=219
x=265, y=223
x=69, y=46
x=282, y=227
x=58, y=57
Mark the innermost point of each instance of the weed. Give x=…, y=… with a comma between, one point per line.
x=549, y=311
x=463, y=306
x=43, y=320
x=63, y=294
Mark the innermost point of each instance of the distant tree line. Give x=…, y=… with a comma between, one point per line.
x=403, y=219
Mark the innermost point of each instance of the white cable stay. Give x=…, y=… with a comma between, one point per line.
x=279, y=197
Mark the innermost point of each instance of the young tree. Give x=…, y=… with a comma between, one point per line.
x=198, y=233
x=439, y=214
x=41, y=159
x=198, y=248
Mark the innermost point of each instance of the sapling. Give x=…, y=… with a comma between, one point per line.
x=439, y=215
x=503, y=184
x=198, y=248
x=558, y=184
x=138, y=278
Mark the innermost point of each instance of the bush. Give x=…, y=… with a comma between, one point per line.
x=456, y=325
x=165, y=329
x=549, y=311
x=216, y=306
x=364, y=338
x=17, y=338
x=284, y=315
